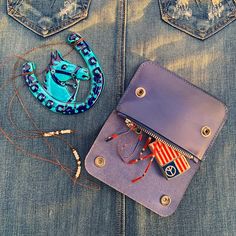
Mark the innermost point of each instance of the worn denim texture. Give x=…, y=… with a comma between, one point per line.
x=48, y=17
x=198, y=18
x=37, y=198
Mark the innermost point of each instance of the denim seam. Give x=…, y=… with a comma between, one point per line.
x=120, y=77
x=120, y=47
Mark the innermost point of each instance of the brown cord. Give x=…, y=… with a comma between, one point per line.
x=74, y=44
x=28, y=73
x=37, y=133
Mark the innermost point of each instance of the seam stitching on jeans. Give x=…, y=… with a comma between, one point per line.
x=120, y=77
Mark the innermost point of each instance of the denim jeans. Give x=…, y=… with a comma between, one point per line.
x=48, y=17
x=37, y=198
x=198, y=18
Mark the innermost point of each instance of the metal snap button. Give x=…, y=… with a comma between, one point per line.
x=165, y=200
x=100, y=161
x=140, y=92
x=206, y=131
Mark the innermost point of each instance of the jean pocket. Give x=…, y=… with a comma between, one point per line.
x=48, y=17
x=199, y=18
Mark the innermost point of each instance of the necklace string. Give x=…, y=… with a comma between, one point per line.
x=36, y=132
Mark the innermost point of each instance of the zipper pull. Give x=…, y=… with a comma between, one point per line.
x=116, y=135
x=141, y=157
x=145, y=171
x=148, y=141
x=129, y=124
x=109, y=138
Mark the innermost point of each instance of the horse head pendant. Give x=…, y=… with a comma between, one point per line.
x=61, y=85
x=62, y=78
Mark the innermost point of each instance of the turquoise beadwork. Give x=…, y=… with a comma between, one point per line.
x=61, y=85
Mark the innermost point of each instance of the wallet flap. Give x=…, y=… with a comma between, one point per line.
x=173, y=108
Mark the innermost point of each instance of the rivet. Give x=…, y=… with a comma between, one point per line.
x=140, y=92
x=44, y=32
x=206, y=131
x=100, y=161
x=165, y=200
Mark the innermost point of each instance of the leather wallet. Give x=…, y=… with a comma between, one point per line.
x=161, y=105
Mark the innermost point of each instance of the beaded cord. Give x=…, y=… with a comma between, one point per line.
x=20, y=133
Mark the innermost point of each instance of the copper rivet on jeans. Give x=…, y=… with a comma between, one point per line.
x=100, y=161
x=205, y=131
x=140, y=92
x=165, y=200
x=44, y=32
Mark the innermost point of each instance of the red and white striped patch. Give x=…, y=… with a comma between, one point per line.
x=165, y=154
x=182, y=164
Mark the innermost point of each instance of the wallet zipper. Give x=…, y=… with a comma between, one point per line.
x=129, y=123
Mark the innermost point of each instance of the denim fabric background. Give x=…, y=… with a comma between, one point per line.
x=37, y=198
x=198, y=18
x=48, y=17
